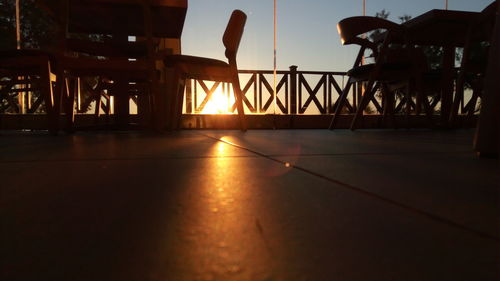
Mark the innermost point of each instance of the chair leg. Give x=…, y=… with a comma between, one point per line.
x=98, y=105
x=418, y=103
x=340, y=104
x=411, y=91
x=107, y=106
x=459, y=97
x=65, y=90
x=391, y=96
x=169, y=105
x=238, y=95
x=51, y=98
x=179, y=103
x=387, y=104
x=472, y=103
x=368, y=94
x=419, y=91
x=145, y=105
x=460, y=82
x=151, y=106
x=157, y=102
x=421, y=100
x=428, y=110
x=72, y=90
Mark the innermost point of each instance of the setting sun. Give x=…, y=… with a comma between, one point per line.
x=220, y=102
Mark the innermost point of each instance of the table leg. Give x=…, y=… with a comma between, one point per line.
x=144, y=110
x=121, y=105
x=447, y=84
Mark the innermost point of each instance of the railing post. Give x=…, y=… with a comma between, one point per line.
x=189, y=97
x=293, y=89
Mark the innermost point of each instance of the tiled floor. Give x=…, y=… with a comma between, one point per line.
x=261, y=205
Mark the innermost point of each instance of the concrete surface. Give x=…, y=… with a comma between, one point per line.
x=261, y=205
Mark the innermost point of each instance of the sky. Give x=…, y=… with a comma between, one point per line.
x=307, y=33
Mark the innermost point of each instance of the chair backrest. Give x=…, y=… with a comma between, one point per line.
x=475, y=55
x=350, y=28
x=234, y=32
x=490, y=9
x=485, y=21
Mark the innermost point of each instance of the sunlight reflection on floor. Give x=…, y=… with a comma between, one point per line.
x=220, y=233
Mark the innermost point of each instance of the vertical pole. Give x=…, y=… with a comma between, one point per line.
x=446, y=5
x=364, y=34
x=274, y=69
x=18, y=25
x=293, y=89
x=361, y=86
x=189, y=97
x=18, y=46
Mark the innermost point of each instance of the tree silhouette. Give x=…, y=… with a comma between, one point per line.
x=38, y=30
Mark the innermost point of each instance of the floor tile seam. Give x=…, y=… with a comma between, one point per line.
x=216, y=157
x=429, y=140
x=123, y=159
x=386, y=200
x=370, y=154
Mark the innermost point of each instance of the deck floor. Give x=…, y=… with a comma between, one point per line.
x=261, y=205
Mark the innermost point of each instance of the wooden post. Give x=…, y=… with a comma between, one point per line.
x=329, y=95
x=486, y=142
x=18, y=25
x=189, y=97
x=120, y=89
x=293, y=89
x=21, y=95
x=169, y=85
x=275, y=94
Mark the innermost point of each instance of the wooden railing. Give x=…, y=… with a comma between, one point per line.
x=298, y=93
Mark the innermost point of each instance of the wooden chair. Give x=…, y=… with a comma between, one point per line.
x=33, y=71
x=427, y=84
x=191, y=67
x=472, y=71
x=391, y=67
x=116, y=76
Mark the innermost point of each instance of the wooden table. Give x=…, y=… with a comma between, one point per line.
x=121, y=19
x=447, y=29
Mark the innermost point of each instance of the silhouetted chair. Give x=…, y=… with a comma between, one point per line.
x=474, y=60
x=33, y=71
x=190, y=67
x=391, y=70
x=427, y=84
x=116, y=75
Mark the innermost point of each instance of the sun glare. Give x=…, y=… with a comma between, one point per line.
x=219, y=102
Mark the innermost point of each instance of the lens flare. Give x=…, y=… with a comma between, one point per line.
x=219, y=103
